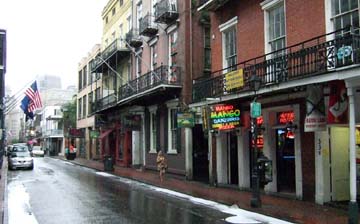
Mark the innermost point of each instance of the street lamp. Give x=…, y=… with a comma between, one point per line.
x=255, y=112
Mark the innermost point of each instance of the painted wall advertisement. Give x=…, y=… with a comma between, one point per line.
x=224, y=117
x=315, y=119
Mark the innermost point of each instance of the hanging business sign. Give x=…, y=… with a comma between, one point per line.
x=205, y=118
x=234, y=80
x=94, y=134
x=76, y=133
x=185, y=120
x=224, y=117
x=315, y=119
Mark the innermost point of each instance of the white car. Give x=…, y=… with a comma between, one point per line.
x=37, y=151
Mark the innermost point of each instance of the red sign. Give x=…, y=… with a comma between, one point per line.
x=76, y=133
x=338, y=103
x=286, y=117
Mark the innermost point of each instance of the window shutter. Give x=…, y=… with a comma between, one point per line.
x=178, y=137
x=147, y=130
x=166, y=129
x=158, y=132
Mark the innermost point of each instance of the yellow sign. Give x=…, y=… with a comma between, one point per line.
x=357, y=136
x=234, y=79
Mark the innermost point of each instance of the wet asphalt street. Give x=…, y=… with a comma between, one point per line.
x=59, y=192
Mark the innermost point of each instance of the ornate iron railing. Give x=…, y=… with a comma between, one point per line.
x=161, y=75
x=310, y=58
x=148, y=26
x=166, y=11
x=116, y=45
x=133, y=38
x=105, y=102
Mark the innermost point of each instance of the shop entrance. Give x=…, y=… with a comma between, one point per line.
x=285, y=160
x=233, y=158
x=200, y=155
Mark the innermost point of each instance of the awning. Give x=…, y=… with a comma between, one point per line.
x=106, y=133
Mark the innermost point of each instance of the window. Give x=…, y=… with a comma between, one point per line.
x=80, y=80
x=207, y=49
x=138, y=14
x=172, y=130
x=173, y=41
x=84, y=106
x=113, y=35
x=229, y=42
x=97, y=94
x=79, y=108
x=128, y=19
x=85, y=74
x=90, y=99
x=276, y=27
x=345, y=13
x=113, y=11
x=153, y=130
x=153, y=56
x=138, y=64
x=121, y=2
x=106, y=20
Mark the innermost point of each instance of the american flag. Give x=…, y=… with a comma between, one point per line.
x=33, y=93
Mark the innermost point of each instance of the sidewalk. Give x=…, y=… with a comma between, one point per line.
x=286, y=209
x=3, y=182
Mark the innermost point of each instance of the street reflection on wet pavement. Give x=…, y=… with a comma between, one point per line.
x=60, y=192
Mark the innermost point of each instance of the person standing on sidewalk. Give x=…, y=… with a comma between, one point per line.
x=161, y=165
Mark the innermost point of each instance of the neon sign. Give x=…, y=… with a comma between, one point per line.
x=286, y=117
x=224, y=117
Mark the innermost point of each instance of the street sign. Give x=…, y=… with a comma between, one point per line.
x=255, y=109
x=94, y=134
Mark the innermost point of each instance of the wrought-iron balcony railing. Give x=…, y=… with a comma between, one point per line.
x=310, y=58
x=148, y=26
x=211, y=5
x=133, y=38
x=163, y=75
x=117, y=45
x=166, y=11
x=105, y=102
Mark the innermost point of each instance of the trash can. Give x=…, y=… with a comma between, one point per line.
x=108, y=163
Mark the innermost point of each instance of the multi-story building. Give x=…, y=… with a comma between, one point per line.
x=52, y=140
x=149, y=54
x=305, y=54
x=2, y=88
x=89, y=90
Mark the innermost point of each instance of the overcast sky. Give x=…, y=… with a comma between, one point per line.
x=48, y=37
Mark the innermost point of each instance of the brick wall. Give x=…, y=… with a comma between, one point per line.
x=305, y=19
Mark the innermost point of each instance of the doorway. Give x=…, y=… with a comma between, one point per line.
x=200, y=155
x=233, y=158
x=285, y=160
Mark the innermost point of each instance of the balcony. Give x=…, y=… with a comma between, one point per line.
x=104, y=103
x=133, y=38
x=211, y=5
x=117, y=47
x=166, y=11
x=314, y=57
x=162, y=81
x=147, y=26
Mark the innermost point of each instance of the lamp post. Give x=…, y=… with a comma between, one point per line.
x=255, y=112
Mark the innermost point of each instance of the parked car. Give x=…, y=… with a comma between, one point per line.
x=37, y=151
x=20, y=157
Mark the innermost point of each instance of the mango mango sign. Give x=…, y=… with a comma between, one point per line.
x=224, y=117
x=234, y=79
